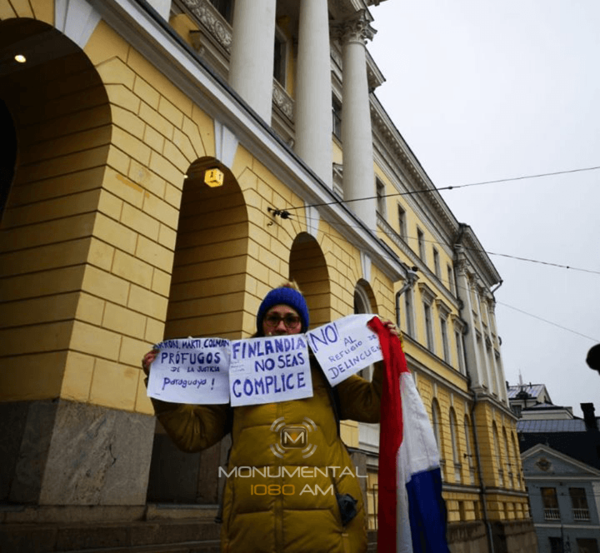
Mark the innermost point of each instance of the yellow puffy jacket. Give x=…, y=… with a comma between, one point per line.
x=278, y=499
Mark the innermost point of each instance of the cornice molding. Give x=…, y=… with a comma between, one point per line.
x=427, y=293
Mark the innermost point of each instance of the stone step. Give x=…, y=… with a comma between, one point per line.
x=181, y=536
x=154, y=536
x=189, y=547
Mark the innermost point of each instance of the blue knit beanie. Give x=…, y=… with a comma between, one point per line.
x=286, y=296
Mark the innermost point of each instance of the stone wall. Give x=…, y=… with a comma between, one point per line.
x=59, y=452
x=514, y=537
x=467, y=537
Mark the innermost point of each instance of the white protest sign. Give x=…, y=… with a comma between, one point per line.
x=268, y=370
x=194, y=370
x=345, y=347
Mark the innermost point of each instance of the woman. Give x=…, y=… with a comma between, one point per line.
x=284, y=500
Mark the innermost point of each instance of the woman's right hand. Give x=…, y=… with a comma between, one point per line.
x=148, y=359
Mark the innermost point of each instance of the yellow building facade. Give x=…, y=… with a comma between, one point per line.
x=112, y=241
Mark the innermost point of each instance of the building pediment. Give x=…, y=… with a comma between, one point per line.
x=541, y=460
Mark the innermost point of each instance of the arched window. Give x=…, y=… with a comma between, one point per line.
x=509, y=459
x=519, y=483
x=455, y=448
x=469, y=456
x=497, y=454
x=362, y=304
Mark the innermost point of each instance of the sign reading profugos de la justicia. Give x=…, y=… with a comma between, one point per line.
x=194, y=370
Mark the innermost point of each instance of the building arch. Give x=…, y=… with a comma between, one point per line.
x=207, y=297
x=309, y=269
x=52, y=179
x=364, y=298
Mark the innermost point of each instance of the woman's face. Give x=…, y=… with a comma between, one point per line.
x=281, y=320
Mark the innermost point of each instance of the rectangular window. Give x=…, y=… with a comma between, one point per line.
x=444, y=329
x=459, y=352
x=380, y=198
x=401, y=222
x=550, y=501
x=491, y=368
x=556, y=545
x=421, y=244
x=372, y=491
x=428, y=327
x=280, y=54
x=336, y=108
x=587, y=545
x=451, y=285
x=436, y=263
x=579, y=503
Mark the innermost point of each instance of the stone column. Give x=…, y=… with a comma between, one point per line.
x=475, y=365
x=484, y=361
x=252, y=51
x=499, y=365
x=359, y=177
x=313, y=90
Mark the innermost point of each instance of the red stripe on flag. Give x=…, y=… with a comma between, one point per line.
x=390, y=436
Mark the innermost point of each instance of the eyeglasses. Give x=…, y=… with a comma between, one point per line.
x=290, y=321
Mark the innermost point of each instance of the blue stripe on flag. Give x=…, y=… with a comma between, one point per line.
x=427, y=512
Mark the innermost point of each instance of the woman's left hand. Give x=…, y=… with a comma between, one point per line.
x=392, y=328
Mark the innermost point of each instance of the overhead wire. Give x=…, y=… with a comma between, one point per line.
x=450, y=187
x=518, y=258
x=448, y=284
x=548, y=322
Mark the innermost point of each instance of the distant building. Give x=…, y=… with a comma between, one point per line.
x=565, y=501
x=532, y=401
x=560, y=455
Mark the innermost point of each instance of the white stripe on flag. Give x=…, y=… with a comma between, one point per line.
x=418, y=452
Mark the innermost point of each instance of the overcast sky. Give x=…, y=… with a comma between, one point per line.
x=486, y=90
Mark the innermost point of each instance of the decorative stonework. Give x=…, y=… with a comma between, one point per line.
x=282, y=100
x=460, y=261
x=543, y=464
x=210, y=18
x=356, y=29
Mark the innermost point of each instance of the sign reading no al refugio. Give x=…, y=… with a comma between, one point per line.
x=194, y=370
x=345, y=347
x=271, y=369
